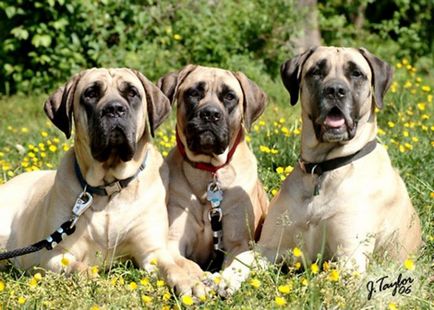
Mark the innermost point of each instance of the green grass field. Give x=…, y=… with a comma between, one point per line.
x=29, y=142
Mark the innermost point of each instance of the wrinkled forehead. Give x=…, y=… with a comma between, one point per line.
x=117, y=78
x=213, y=80
x=337, y=57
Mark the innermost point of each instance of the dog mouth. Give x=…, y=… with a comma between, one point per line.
x=207, y=141
x=335, y=126
x=115, y=142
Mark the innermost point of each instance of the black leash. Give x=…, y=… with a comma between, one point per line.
x=215, y=216
x=82, y=203
x=50, y=243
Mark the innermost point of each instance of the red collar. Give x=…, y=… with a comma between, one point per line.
x=205, y=166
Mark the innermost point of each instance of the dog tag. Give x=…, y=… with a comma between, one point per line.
x=214, y=194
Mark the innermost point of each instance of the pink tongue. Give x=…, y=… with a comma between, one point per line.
x=334, y=121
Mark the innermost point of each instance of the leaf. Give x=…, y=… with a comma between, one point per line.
x=41, y=40
x=20, y=33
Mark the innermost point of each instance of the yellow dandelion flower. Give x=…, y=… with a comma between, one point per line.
x=429, y=98
x=94, y=270
x=304, y=281
x=248, y=139
x=177, y=37
x=10, y=174
x=297, y=131
x=405, y=133
x=132, y=286
x=2, y=286
x=187, y=300
x=334, y=275
x=288, y=169
x=285, y=289
x=113, y=281
x=65, y=147
x=280, y=170
x=409, y=264
x=408, y=84
x=166, y=296
x=56, y=140
x=217, y=280
x=64, y=261
x=274, y=151
x=421, y=106
x=146, y=299
x=297, y=265
x=202, y=298
x=33, y=282
x=264, y=149
x=94, y=307
x=398, y=65
x=381, y=132
x=401, y=148
x=404, y=61
x=280, y=301
x=52, y=148
x=24, y=130
x=255, y=283
x=431, y=194
x=314, y=268
x=31, y=155
x=391, y=124
x=121, y=281
x=408, y=146
x=414, y=139
x=22, y=300
x=164, y=153
x=144, y=281
x=43, y=154
x=273, y=192
x=297, y=252
x=37, y=276
x=44, y=134
x=160, y=283
x=426, y=88
x=392, y=306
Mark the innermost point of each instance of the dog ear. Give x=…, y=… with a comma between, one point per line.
x=290, y=72
x=170, y=82
x=58, y=106
x=158, y=104
x=254, y=99
x=382, y=74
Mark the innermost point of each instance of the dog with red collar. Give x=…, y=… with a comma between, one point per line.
x=216, y=202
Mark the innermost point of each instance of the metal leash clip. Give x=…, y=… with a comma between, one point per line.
x=82, y=203
x=215, y=197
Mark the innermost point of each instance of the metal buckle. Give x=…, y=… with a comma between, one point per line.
x=215, y=211
x=113, y=188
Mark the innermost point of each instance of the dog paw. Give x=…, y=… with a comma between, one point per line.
x=185, y=284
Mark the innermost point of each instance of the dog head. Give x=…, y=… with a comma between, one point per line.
x=212, y=106
x=337, y=87
x=113, y=109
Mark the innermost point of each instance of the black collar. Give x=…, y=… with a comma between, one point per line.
x=110, y=189
x=320, y=168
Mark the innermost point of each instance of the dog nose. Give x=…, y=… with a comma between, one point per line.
x=336, y=90
x=114, y=109
x=210, y=114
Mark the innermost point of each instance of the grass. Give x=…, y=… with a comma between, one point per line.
x=29, y=142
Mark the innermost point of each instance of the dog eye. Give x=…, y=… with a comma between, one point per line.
x=193, y=93
x=91, y=93
x=230, y=96
x=316, y=73
x=356, y=73
x=132, y=92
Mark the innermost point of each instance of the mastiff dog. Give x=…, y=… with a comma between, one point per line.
x=343, y=200
x=110, y=189
x=216, y=202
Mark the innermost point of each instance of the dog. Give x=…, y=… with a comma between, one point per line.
x=343, y=200
x=214, y=107
x=115, y=113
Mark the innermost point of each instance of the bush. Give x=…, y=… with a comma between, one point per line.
x=45, y=42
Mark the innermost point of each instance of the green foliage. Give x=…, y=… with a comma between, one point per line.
x=401, y=28
x=45, y=42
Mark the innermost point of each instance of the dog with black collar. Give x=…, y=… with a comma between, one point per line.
x=111, y=186
x=344, y=200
